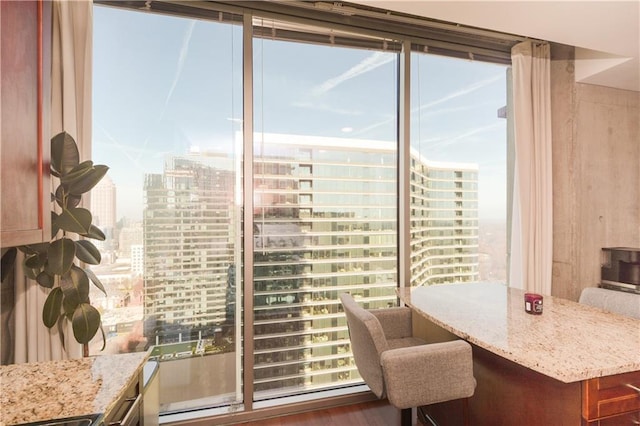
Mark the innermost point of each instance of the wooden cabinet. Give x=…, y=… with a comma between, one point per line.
x=626, y=419
x=611, y=400
x=25, y=76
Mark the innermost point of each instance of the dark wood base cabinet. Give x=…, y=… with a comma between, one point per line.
x=508, y=394
x=612, y=400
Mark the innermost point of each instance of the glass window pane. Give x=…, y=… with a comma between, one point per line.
x=167, y=106
x=325, y=217
x=458, y=171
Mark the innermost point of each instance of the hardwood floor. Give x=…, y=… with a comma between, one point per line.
x=375, y=413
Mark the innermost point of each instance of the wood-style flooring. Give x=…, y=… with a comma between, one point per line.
x=374, y=413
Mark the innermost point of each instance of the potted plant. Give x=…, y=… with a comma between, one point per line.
x=56, y=265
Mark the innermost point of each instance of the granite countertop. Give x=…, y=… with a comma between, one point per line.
x=58, y=389
x=569, y=342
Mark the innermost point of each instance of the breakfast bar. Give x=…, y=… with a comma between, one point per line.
x=571, y=365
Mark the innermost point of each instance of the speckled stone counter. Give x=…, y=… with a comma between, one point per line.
x=59, y=389
x=569, y=342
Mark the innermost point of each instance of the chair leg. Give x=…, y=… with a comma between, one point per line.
x=406, y=417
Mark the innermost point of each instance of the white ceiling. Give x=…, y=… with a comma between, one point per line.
x=605, y=33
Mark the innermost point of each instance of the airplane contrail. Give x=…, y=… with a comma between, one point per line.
x=370, y=63
x=461, y=92
x=184, y=50
x=455, y=94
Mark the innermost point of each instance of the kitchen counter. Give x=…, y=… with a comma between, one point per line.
x=59, y=389
x=571, y=365
x=569, y=342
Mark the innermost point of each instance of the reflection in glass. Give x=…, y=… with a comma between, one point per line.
x=167, y=103
x=325, y=213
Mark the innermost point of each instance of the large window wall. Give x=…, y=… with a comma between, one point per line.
x=255, y=175
x=325, y=207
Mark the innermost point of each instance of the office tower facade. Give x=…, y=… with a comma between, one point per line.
x=129, y=235
x=188, y=247
x=444, y=222
x=324, y=222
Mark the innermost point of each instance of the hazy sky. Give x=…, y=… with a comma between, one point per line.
x=165, y=85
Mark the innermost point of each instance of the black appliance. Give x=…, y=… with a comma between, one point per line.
x=620, y=269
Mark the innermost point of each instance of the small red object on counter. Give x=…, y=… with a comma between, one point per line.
x=533, y=303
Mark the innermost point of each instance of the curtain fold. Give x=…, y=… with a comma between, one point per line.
x=532, y=225
x=70, y=111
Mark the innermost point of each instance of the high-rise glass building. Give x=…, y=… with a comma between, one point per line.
x=444, y=222
x=188, y=247
x=324, y=222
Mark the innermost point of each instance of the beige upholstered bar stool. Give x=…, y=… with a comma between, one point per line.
x=618, y=302
x=404, y=369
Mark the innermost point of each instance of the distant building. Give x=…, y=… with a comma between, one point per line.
x=129, y=235
x=444, y=222
x=103, y=210
x=188, y=246
x=137, y=259
x=325, y=221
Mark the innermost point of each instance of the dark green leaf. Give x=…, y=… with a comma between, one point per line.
x=87, y=252
x=65, y=199
x=104, y=338
x=88, y=181
x=75, y=286
x=61, y=330
x=35, y=261
x=64, y=153
x=54, y=224
x=8, y=262
x=31, y=273
x=94, y=279
x=51, y=310
x=86, y=321
x=30, y=249
x=76, y=220
x=61, y=254
x=76, y=173
x=95, y=233
x=45, y=280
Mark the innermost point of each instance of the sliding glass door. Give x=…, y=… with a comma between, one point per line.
x=167, y=108
x=325, y=194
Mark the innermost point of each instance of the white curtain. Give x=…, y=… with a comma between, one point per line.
x=532, y=224
x=70, y=111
